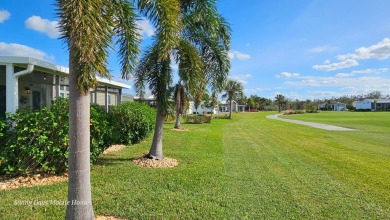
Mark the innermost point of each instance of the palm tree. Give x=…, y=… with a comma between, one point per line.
x=280, y=100
x=199, y=40
x=180, y=96
x=234, y=90
x=87, y=28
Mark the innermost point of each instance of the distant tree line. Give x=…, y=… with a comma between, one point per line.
x=280, y=102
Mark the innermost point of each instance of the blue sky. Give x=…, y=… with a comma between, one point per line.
x=302, y=49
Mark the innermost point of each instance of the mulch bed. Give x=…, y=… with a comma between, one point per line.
x=7, y=183
x=166, y=162
x=29, y=181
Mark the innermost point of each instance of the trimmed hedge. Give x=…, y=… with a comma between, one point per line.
x=197, y=119
x=38, y=141
x=132, y=122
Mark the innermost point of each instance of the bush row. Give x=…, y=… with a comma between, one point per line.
x=38, y=141
x=290, y=112
x=197, y=119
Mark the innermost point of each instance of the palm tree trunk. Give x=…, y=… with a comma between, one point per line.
x=230, y=112
x=156, y=151
x=177, y=123
x=79, y=186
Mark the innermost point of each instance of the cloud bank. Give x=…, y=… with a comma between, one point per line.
x=22, y=50
x=44, y=26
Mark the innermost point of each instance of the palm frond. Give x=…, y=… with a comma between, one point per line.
x=158, y=75
x=165, y=15
x=82, y=29
x=128, y=37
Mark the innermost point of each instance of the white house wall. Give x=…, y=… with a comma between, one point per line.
x=201, y=109
x=363, y=104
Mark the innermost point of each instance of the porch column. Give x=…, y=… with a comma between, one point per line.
x=106, y=98
x=96, y=94
x=57, y=86
x=12, y=90
x=120, y=96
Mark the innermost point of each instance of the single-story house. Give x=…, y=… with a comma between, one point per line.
x=25, y=81
x=224, y=106
x=150, y=100
x=372, y=104
x=333, y=106
x=201, y=109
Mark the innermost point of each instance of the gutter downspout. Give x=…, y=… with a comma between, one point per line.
x=12, y=86
x=29, y=69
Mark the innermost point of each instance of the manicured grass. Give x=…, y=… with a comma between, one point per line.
x=249, y=167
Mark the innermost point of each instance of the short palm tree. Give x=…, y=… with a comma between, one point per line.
x=280, y=101
x=180, y=96
x=234, y=90
x=200, y=41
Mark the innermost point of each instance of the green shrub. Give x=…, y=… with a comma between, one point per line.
x=39, y=140
x=132, y=122
x=101, y=131
x=197, y=119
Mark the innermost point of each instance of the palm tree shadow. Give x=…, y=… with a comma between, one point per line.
x=113, y=161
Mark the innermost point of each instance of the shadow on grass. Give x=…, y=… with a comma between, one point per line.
x=113, y=161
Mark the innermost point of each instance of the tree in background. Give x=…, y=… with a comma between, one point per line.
x=234, y=90
x=180, y=96
x=280, y=100
x=88, y=27
x=250, y=103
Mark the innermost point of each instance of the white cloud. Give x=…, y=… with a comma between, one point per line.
x=362, y=84
x=323, y=48
x=238, y=55
x=336, y=66
x=22, y=50
x=378, y=51
x=365, y=71
x=370, y=71
x=344, y=74
x=145, y=27
x=43, y=25
x=287, y=75
x=241, y=78
x=4, y=15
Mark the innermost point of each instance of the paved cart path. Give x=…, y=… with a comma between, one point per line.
x=311, y=124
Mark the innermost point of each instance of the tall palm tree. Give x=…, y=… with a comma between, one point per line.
x=234, y=90
x=88, y=27
x=280, y=100
x=199, y=45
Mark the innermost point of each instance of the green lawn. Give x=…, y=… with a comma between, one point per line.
x=245, y=168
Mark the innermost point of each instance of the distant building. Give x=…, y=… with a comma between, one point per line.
x=372, y=104
x=333, y=106
x=224, y=106
x=150, y=100
x=202, y=108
